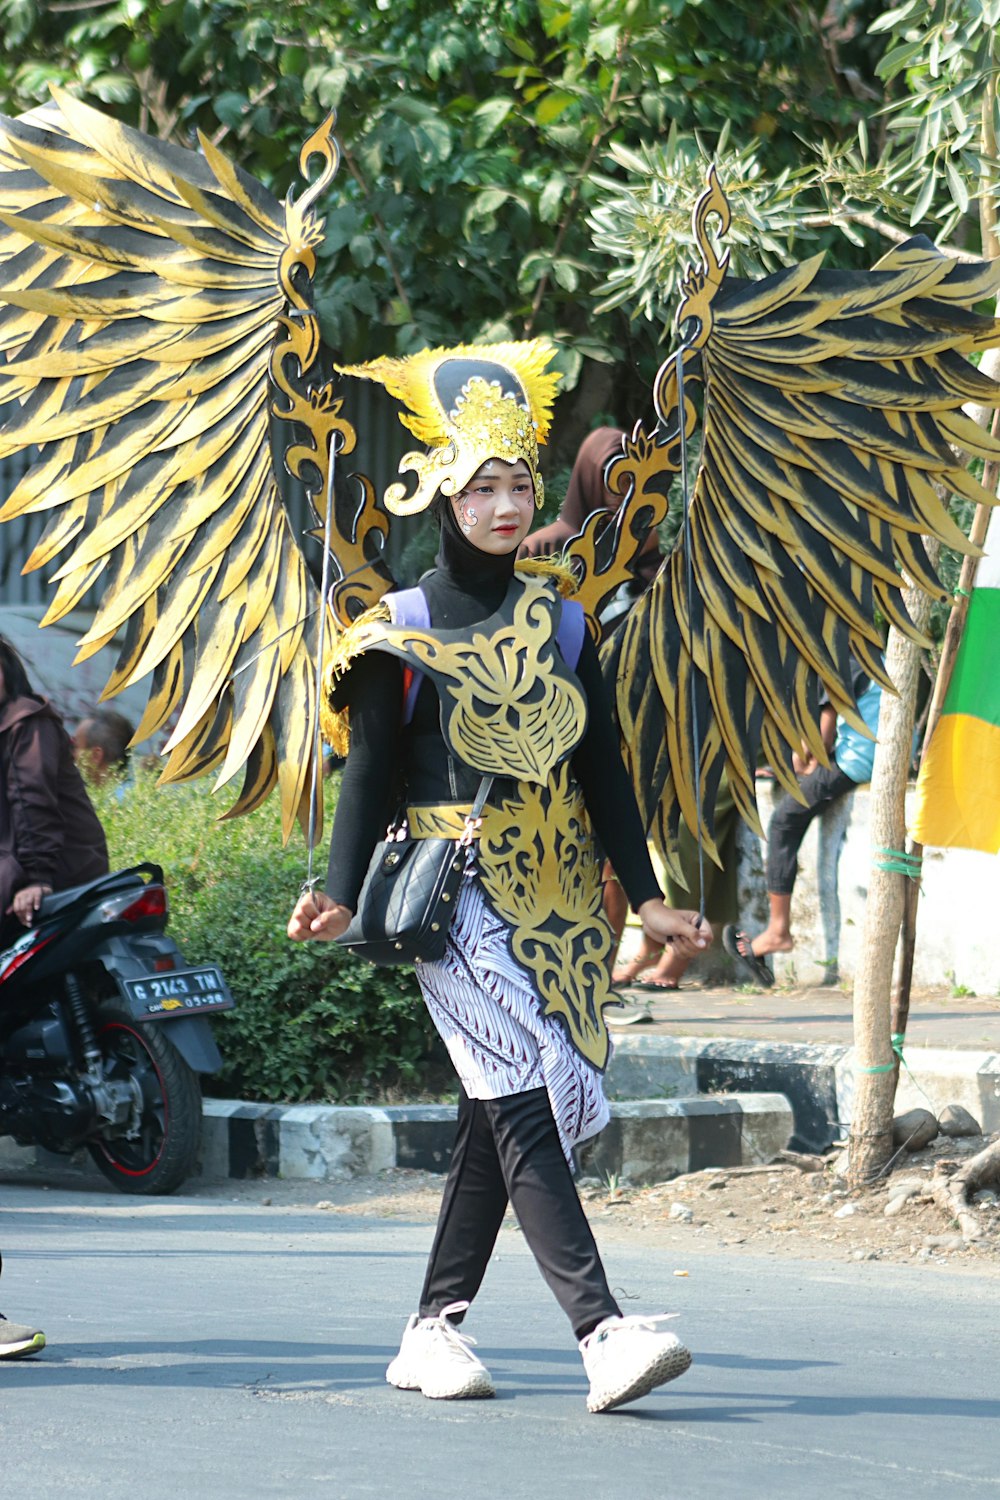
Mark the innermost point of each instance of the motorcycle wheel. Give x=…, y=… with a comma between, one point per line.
x=165, y=1151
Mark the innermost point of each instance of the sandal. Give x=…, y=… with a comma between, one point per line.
x=656, y=986
x=628, y=974
x=737, y=945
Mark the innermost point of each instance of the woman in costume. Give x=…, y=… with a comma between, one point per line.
x=485, y=670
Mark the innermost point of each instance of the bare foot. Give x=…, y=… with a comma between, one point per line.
x=668, y=972
x=629, y=972
x=772, y=942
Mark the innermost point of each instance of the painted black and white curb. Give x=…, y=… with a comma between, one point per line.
x=817, y=1081
x=678, y=1104
x=647, y=1140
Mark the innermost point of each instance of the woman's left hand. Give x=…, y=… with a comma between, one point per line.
x=688, y=932
x=27, y=901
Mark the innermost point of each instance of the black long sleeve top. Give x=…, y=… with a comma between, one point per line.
x=466, y=587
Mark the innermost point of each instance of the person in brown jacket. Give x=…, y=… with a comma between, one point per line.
x=587, y=493
x=50, y=835
x=50, y=838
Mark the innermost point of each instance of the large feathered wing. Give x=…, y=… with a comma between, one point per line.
x=154, y=319
x=832, y=431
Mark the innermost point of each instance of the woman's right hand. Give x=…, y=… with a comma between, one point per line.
x=686, y=930
x=317, y=917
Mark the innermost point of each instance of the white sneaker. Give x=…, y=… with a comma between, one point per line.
x=627, y=1357
x=435, y=1359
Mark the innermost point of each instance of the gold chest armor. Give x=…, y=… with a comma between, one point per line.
x=510, y=707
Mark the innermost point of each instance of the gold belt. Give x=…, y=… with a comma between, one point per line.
x=439, y=820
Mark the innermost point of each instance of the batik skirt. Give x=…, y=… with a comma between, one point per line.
x=490, y=1018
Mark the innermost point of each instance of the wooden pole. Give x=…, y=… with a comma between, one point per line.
x=870, y=1145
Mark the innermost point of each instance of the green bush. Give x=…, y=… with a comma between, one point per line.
x=311, y=1021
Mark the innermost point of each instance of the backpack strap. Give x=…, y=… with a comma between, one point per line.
x=410, y=607
x=572, y=629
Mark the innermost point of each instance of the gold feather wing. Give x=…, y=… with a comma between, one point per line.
x=831, y=426
x=154, y=319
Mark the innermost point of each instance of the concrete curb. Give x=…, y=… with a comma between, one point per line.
x=649, y=1139
x=818, y=1081
x=759, y=1095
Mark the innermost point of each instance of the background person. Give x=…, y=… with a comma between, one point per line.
x=50, y=835
x=101, y=746
x=821, y=786
x=655, y=969
x=586, y=493
x=17, y=1339
x=50, y=838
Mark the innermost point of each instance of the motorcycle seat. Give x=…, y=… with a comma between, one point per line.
x=57, y=902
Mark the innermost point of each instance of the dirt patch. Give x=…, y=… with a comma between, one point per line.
x=804, y=1211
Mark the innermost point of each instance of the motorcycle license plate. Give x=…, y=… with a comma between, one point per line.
x=179, y=992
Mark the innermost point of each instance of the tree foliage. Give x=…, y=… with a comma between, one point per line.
x=944, y=57
x=476, y=138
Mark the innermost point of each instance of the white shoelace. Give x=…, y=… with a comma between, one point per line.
x=458, y=1342
x=635, y=1320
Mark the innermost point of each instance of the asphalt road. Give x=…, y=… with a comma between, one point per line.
x=214, y=1349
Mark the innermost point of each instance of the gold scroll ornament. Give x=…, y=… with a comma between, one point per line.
x=510, y=708
x=538, y=868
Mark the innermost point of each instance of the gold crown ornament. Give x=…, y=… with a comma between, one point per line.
x=468, y=404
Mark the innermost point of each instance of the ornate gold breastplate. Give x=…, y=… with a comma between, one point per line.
x=509, y=704
x=510, y=707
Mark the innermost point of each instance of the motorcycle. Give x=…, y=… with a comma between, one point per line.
x=104, y=1030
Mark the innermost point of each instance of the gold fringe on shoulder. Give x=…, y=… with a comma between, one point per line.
x=562, y=576
x=334, y=722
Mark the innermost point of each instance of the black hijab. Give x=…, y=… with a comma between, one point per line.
x=465, y=584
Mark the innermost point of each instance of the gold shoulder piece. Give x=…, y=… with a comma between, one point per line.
x=334, y=722
x=603, y=552
x=552, y=568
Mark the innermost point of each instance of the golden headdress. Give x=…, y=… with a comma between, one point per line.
x=468, y=404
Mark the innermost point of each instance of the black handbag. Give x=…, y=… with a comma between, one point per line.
x=409, y=895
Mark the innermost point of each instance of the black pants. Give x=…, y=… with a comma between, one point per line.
x=789, y=821
x=508, y=1149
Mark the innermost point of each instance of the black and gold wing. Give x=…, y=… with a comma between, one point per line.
x=154, y=320
x=832, y=425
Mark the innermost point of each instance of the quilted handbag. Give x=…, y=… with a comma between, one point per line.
x=409, y=894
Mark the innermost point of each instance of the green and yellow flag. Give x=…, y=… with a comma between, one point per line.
x=958, y=789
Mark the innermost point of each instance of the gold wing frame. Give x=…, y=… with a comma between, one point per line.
x=831, y=417
x=154, y=319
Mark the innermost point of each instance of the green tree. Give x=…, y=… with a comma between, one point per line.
x=944, y=58
x=473, y=136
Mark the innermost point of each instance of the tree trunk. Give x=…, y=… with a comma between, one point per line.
x=874, y=1070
